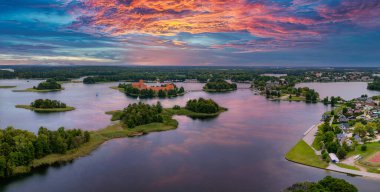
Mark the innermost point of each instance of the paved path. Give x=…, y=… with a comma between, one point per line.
x=333, y=167
x=309, y=135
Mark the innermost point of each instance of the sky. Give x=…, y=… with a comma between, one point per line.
x=277, y=33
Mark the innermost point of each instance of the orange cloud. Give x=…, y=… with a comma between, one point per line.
x=170, y=17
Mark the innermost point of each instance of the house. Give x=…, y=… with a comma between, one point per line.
x=341, y=137
x=357, y=138
x=343, y=119
x=333, y=158
x=344, y=127
x=325, y=116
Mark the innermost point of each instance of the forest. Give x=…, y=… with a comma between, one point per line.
x=327, y=184
x=47, y=104
x=202, y=105
x=19, y=147
x=140, y=114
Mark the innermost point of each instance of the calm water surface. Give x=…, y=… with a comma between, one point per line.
x=241, y=150
x=347, y=90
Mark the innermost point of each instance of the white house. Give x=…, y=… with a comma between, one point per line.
x=333, y=158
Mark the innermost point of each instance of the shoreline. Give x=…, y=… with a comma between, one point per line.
x=37, y=90
x=45, y=110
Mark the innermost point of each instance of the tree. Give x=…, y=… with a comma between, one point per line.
x=341, y=153
x=327, y=184
x=360, y=130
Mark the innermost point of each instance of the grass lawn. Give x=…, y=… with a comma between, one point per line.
x=372, y=148
x=316, y=145
x=7, y=86
x=37, y=90
x=50, y=110
x=302, y=153
x=347, y=166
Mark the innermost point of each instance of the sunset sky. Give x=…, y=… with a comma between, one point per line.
x=190, y=32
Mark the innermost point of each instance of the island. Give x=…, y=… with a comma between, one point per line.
x=346, y=140
x=7, y=86
x=375, y=85
x=52, y=147
x=50, y=85
x=141, y=90
x=46, y=106
x=219, y=85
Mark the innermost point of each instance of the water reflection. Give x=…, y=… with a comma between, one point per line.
x=240, y=150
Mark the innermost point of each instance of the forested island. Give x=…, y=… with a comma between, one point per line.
x=6, y=86
x=47, y=105
x=219, y=85
x=50, y=85
x=162, y=91
x=375, y=85
x=20, y=149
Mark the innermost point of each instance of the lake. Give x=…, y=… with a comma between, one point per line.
x=240, y=150
x=346, y=90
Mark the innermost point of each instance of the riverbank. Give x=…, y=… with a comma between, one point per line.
x=116, y=130
x=38, y=90
x=45, y=110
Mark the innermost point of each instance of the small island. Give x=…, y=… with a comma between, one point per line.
x=219, y=85
x=50, y=85
x=52, y=147
x=7, y=86
x=141, y=90
x=47, y=106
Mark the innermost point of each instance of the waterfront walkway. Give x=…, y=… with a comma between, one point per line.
x=333, y=167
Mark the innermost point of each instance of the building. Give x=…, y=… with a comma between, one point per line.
x=141, y=85
x=333, y=158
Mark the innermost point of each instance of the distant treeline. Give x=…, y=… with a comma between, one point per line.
x=375, y=85
x=135, y=73
x=20, y=147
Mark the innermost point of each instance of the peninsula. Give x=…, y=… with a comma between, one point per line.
x=135, y=120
